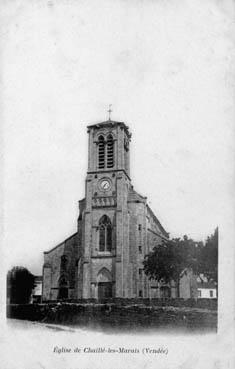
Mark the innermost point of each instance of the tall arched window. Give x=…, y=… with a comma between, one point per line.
x=101, y=152
x=110, y=152
x=63, y=262
x=105, y=234
x=63, y=288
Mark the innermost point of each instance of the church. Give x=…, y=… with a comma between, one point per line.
x=116, y=228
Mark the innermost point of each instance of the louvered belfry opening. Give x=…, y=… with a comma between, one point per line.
x=105, y=152
x=101, y=153
x=110, y=152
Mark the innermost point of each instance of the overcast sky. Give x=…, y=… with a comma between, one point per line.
x=166, y=66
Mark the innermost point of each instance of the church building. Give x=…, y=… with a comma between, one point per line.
x=116, y=228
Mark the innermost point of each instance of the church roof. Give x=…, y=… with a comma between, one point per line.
x=61, y=243
x=110, y=123
x=134, y=196
x=166, y=234
x=106, y=122
x=206, y=285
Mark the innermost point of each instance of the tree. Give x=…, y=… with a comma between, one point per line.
x=20, y=283
x=167, y=261
x=208, y=260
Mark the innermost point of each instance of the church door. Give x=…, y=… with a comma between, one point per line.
x=63, y=293
x=104, y=290
x=104, y=281
x=165, y=292
x=63, y=288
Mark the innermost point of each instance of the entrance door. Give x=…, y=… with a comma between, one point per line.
x=63, y=293
x=165, y=292
x=104, y=290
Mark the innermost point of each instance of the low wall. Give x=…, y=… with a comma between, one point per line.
x=115, y=316
x=210, y=304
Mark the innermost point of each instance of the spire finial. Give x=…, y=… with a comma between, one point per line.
x=110, y=111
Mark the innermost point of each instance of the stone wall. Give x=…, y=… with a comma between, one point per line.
x=53, y=269
x=117, y=316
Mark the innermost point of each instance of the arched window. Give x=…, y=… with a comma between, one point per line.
x=110, y=152
x=105, y=234
x=63, y=281
x=63, y=288
x=101, y=152
x=63, y=262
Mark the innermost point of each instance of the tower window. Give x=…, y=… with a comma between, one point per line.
x=140, y=272
x=101, y=152
x=140, y=293
x=105, y=234
x=110, y=152
x=140, y=249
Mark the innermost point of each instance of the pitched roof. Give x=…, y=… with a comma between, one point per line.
x=206, y=285
x=157, y=221
x=61, y=243
x=134, y=196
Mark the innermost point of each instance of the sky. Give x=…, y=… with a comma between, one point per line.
x=167, y=69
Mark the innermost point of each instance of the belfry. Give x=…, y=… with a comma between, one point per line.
x=116, y=229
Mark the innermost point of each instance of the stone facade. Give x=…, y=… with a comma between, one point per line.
x=59, y=270
x=116, y=229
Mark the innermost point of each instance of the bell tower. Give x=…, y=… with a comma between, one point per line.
x=106, y=220
x=109, y=147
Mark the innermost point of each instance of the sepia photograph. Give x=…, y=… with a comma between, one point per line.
x=118, y=184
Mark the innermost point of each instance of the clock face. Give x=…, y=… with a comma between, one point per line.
x=105, y=184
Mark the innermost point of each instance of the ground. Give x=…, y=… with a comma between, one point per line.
x=29, y=345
